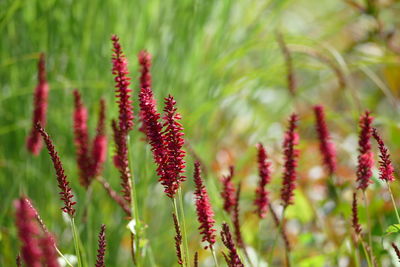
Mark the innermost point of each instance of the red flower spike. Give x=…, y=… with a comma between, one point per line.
x=236, y=221
x=178, y=239
x=81, y=138
x=386, y=170
x=123, y=93
x=145, y=89
x=49, y=253
x=102, y=247
x=28, y=232
x=121, y=161
x=233, y=259
x=34, y=142
x=63, y=184
x=326, y=146
x=261, y=201
x=152, y=126
x=228, y=190
x=144, y=58
x=365, y=157
x=205, y=214
x=290, y=156
x=173, y=163
x=99, y=147
x=354, y=209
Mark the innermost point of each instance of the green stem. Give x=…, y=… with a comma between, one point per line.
x=76, y=242
x=62, y=256
x=367, y=256
x=394, y=203
x=185, y=237
x=271, y=253
x=368, y=224
x=134, y=215
x=184, y=258
x=214, y=256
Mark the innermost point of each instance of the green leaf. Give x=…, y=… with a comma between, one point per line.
x=394, y=228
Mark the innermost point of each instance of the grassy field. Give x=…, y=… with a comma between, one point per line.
x=222, y=62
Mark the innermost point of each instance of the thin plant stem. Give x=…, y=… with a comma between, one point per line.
x=214, y=256
x=271, y=253
x=185, y=237
x=367, y=256
x=394, y=202
x=62, y=256
x=368, y=223
x=134, y=215
x=184, y=258
x=259, y=243
x=76, y=242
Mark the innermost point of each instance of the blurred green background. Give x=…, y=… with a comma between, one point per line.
x=222, y=63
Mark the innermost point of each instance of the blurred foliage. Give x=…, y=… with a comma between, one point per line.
x=221, y=61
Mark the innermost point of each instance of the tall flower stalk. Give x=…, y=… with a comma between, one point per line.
x=38, y=247
x=66, y=191
x=291, y=154
x=261, y=201
x=232, y=259
x=28, y=232
x=205, y=214
x=365, y=156
x=34, y=142
x=228, y=193
x=89, y=158
x=386, y=170
x=121, y=129
x=102, y=247
x=326, y=145
x=81, y=139
x=365, y=164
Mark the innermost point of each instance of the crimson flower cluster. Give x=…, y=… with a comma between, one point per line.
x=63, y=184
x=144, y=59
x=365, y=157
x=151, y=125
x=101, y=251
x=125, y=119
x=386, y=170
x=326, y=146
x=235, y=219
x=232, y=259
x=290, y=156
x=89, y=162
x=165, y=136
x=173, y=163
x=120, y=70
x=264, y=173
x=99, y=147
x=37, y=247
x=205, y=214
x=34, y=142
x=228, y=191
